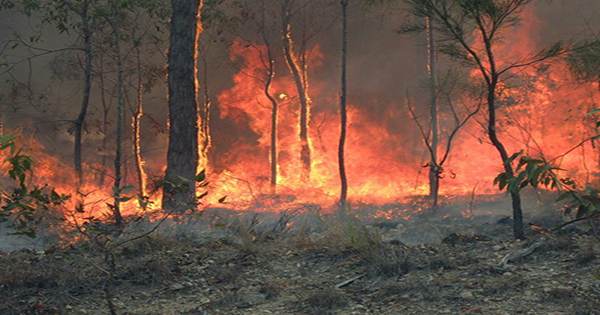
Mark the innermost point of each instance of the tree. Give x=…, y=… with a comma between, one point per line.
x=463, y=21
x=256, y=17
x=72, y=15
x=216, y=21
x=434, y=172
x=182, y=155
x=104, y=126
x=584, y=63
x=437, y=157
x=299, y=74
x=144, y=11
x=136, y=125
x=270, y=75
x=82, y=10
x=343, y=111
x=113, y=18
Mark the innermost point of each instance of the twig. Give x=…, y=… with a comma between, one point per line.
x=349, y=281
x=156, y=226
x=591, y=216
x=596, y=137
x=521, y=253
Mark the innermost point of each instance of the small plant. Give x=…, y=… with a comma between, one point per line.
x=584, y=204
x=26, y=205
x=107, y=239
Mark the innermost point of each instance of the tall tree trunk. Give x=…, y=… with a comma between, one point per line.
x=86, y=30
x=300, y=80
x=136, y=133
x=105, y=112
x=205, y=136
x=120, y=119
x=179, y=191
x=274, y=113
x=343, y=113
x=434, y=168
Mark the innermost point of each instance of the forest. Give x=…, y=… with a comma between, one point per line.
x=299, y=157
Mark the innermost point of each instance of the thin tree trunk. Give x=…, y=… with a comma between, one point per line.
x=343, y=113
x=515, y=195
x=492, y=84
x=120, y=120
x=434, y=169
x=179, y=191
x=86, y=30
x=205, y=136
x=136, y=133
x=105, y=112
x=300, y=81
x=274, y=113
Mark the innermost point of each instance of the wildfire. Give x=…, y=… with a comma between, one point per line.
x=545, y=118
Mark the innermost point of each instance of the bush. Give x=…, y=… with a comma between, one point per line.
x=26, y=205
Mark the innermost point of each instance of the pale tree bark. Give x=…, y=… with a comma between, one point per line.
x=434, y=168
x=179, y=191
x=343, y=110
x=136, y=133
x=79, y=123
x=301, y=81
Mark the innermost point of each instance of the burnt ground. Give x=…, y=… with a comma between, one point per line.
x=423, y=266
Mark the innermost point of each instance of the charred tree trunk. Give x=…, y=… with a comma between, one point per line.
x=300, y=80
x=205, y=136
x=105, y=112
x=179, y=191
x=136, y=133
x=492, y=84
x=120, y=119
x=434, y=168
x=343, y=113
x=492, y=134
x=79, y=123
x=274, y=114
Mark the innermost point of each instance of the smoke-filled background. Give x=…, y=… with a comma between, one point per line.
x=41, y=90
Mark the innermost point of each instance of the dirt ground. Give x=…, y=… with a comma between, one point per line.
x=423, y=266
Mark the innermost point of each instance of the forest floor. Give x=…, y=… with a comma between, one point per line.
x=351, y=267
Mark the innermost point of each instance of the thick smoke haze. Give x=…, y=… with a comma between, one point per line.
x=384, y=67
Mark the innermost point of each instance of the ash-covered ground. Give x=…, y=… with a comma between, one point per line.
x=393, y=259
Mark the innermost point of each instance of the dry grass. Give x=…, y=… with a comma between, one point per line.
x=349, y=235
x=325, y=301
